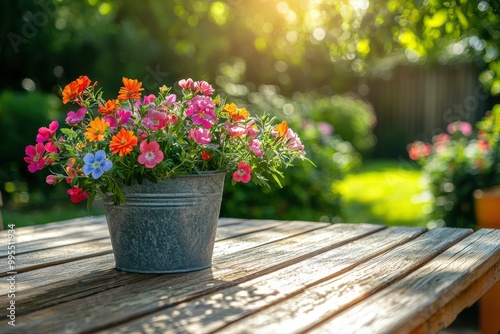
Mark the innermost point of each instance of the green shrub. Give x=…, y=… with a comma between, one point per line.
x=20, y=116
x=352, y=119
x=307, y=192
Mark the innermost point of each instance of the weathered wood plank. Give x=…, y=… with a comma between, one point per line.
x=244, y=299
x=333, y=295
x=113, y=306
x=447, y=314
x=48, y=255
x=254, y=231
x=56, y=238
x=34, y=238
x=416, y=298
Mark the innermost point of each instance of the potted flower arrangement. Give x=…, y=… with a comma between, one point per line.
x=459, y=165
x=159, y=162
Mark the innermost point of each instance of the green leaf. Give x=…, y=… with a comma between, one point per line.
x=438, y=19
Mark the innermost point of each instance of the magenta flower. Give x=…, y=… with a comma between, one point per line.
x=243, y=174
x=200, y=135
x=150, y=154
x=201, y=108
x=155, y=120
x=120, y=118
x=149, y=98
x=204, y=87
x=187, y=84
x=45, y=133
x=34, y=157
x=73, y=118
x=254, y=145
x=50, y=147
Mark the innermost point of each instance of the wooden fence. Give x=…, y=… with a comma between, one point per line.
x=419, y=102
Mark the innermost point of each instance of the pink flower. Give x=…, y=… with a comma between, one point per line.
x=252, y=132
x=200, y=135
x=170, y=99
x=187, y=84
x=155, y=120
x=326, y=129
x=236, y=130
x=73, y=118
x=149, y=99
x=254, y=145
x=50, y=147
x=150, y=154
x=465, y=128
x=452, y=128
x=243, y=174
x=201, y=108
x=76, y=194
x=45, y=133
x=120, y=118
x=204, y=87
x=35, y=157
x=51, y=179
x=294, y=142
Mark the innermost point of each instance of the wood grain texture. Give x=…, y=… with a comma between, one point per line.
x=267, y=277
x=136, y=299
x=216, y=310
x=411, y=301
x=334, y=295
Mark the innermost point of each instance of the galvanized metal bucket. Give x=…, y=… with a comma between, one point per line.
x=166, y=227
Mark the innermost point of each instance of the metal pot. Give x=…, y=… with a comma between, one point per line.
x=166, y=227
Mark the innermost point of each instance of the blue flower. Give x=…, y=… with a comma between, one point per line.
x=96, y=164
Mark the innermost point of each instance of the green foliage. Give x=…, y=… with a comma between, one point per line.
x=456, y=164
x=352, y=119
x=307, y=192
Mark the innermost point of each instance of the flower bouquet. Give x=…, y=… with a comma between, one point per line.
x=131, y=138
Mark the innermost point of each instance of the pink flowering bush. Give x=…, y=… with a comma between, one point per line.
x=457, y=162
x=132, y=138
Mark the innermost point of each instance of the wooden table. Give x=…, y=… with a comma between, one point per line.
x=267, y=277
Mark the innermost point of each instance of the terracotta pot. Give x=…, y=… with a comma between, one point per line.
x=487, y=207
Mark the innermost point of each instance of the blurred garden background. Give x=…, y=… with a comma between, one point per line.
x=360, y=80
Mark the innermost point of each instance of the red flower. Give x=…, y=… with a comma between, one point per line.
x=206, y=156
x=77, y=195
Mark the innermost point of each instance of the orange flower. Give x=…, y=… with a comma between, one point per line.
x=123, y=142
x=75, y=88
x=281, y=128
x=96, y=129
x=236, y=113
x=132, y=89
x=110, y=107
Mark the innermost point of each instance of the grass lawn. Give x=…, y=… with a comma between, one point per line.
x=384, y=192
